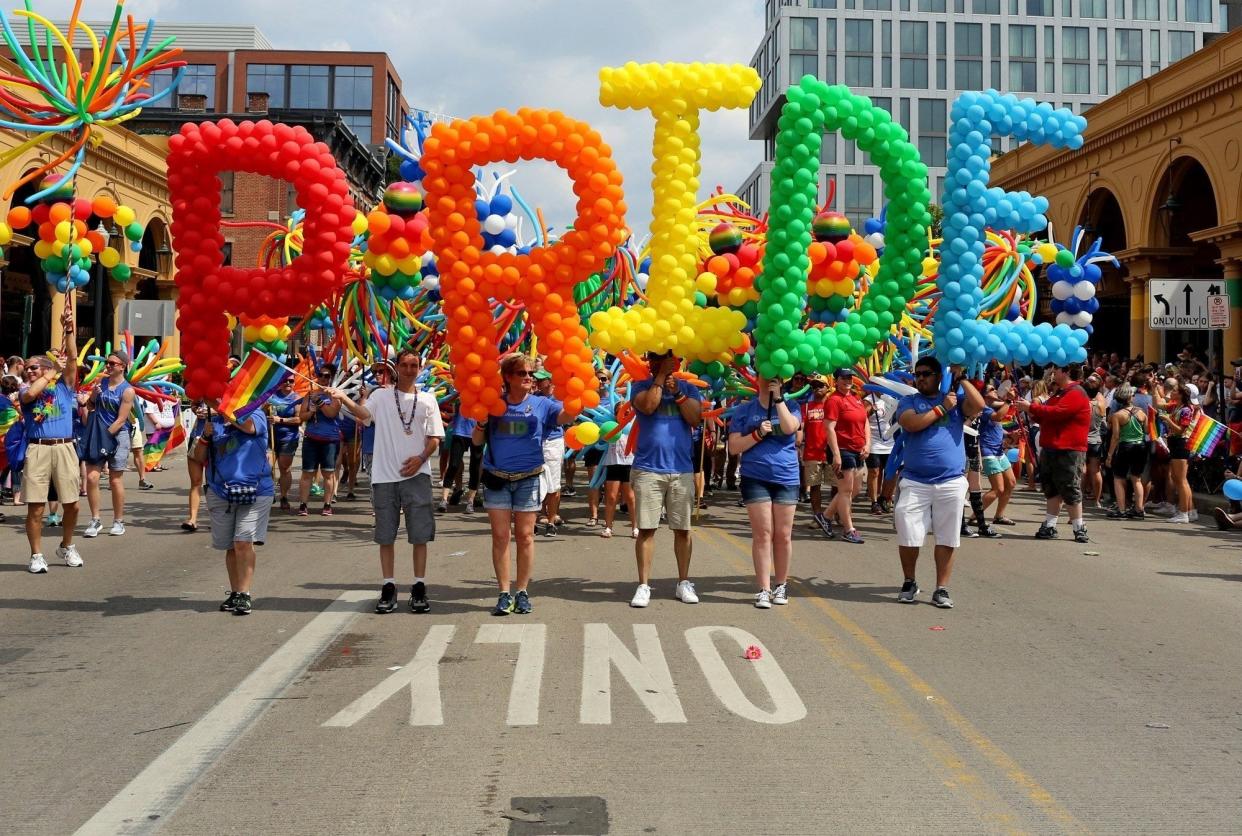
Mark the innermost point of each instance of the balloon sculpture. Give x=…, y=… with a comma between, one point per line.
x=1074, y=279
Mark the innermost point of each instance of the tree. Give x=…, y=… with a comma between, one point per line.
x=937, y=217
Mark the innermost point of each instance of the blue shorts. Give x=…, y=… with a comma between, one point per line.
x=851, y=460
x=522, y=495
x=993, y=465
x=318, y=454
x=757, y=490
x=286, y=448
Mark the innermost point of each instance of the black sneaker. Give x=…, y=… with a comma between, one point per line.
x=967, y=531
x=455, y=497
x=522, y=604
x=229, y=603
x=887, y=505
x=1046, y=532
x=242, y=605
x=1115, y=513
x=570, y=491
x=504, y=604
x=388, y=599
x=908, y=590
x=986, y=530
x=1136, y=514
x=418, y=598
x=478, y=501
x=1080, y=535
x=144, y=485
x=549, y=530
x=940, y=598
x=825, y=525
x=876, y=508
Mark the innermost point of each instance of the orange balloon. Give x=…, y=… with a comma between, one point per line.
x=19, y=217
x=59, y=212
x=103, y=206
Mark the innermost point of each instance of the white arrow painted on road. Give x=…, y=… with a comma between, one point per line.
x=421, y=676
x=532, y=642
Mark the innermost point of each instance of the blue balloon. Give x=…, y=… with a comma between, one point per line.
x=501, y=204
x=1233, y=489
x=1012, y=455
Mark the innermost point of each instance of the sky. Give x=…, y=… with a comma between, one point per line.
x=476, y=56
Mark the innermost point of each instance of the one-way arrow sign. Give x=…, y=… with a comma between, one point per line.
x=1183, y=304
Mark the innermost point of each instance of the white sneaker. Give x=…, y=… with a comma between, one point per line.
x=93, y=529
x=606, y=533
x=118, y=528
x=1193, y=514
x=642, y=596
x=38, y=566
x=1161, y=508
x=763, y=600
x=780, y=595
x=1180, y=517
x=685, y=592
x=69, y=554
x=634, y=534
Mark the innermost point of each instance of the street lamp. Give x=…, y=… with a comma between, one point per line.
x=100, y=278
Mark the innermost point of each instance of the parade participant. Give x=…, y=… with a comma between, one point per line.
x=195, y=461
x=286, y=421
x=818, y=470
x=1093, y=480
x=553, y=458
x=593, y=458
x=849, y=441
x=996, y=467
x=879, y=417
x=239, y=498
x=48, y=403
x=138, y=439
x=15, y=366
x=322, y=441
x=1127, y=453
x=1178, y=413
x=462, y=430
x=764, y=432
x=617, y=464
x=408, y=431
x=666, y=410
x=512, y=470
x=1064, y=422
x=974, y=480
x=112, y=402
x=933, y=482
x=350, y=458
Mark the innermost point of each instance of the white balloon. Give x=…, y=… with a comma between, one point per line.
x=1064, y=318
x=428, y=257
x=511, y=221
x=431, y=283
x=876, y=239
x=1062, y=290
x=499, y=250
x=494, y=224
x=1084, y=290
x=641, y=281
x=1081, y=319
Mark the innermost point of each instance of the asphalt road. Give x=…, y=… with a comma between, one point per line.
x=1074, y=688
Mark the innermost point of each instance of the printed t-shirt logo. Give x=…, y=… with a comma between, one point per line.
x=513, y=426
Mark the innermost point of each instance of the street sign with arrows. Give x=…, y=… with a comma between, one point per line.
x=1185, y=304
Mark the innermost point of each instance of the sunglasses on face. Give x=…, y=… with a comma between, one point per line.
x=923, y=374
x=111, y=363
x=522, y=374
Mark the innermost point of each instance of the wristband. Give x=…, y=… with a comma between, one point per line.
x=757, y=436
x=680, y=399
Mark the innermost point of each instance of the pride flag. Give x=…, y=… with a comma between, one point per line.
x=254, y=382
x=162, y=441
x=8, y=417
x=1205, y=435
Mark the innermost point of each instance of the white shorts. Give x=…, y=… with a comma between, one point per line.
x=553, y=461
x=938, y=507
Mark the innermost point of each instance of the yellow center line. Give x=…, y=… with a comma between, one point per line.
x=1034, y=791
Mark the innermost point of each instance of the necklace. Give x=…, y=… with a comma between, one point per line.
x=407, y=424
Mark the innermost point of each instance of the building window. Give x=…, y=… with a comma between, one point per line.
x=359, y=123
x=198, y=79
x=985, y=7
x=308, y=87
x=1094, y=8
x=1144, y=9
x=886, y=53
x=933, y=124
x=1153, y=50
x=1022, y=58
x=804, y=33
x=859, y=51
x=931, y=6
x=1076, y=56
x=1171, y=10
x=828, y=150
x=995, y=41
x=878, y=5
x=859, y=198
x=822, y=4
x=968, y=47
x=914, y=55
x=830, y=63
x=351, y=88
x=1181, y=44
x=269, y=79
x=967, y=74
x=226, y=192
x=1199, y=11
x=1039, y=8
x=801, y=64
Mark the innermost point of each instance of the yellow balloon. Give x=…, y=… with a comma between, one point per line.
x=360, y=223
x=124, y=216
x=6, y=234
x=1047, y=251
x=251, y=333
x=64, y=230
x=109, y=257
x=43, y=249
x=85, y=247
x=269, y=333
x=588, y=433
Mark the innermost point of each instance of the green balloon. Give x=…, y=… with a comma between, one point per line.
x=122, y=272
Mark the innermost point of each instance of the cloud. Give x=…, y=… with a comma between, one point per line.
x=468, y=58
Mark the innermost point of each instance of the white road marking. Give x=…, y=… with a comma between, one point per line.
x=647, y=674
x=151, y=797
x=789, y=707
x=532, y=641
x=422, y=676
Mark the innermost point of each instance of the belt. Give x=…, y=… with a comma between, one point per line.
x=50, y=442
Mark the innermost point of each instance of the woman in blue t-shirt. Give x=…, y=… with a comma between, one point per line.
x=321, y=443
x=112, y=401
x=286, y=429
x=195, y=461
x=239, y=498
x=764, y=431
x=512, y=466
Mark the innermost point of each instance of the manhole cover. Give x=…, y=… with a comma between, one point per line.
x=584, y=815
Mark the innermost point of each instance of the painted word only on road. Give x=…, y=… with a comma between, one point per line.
x=645, y=672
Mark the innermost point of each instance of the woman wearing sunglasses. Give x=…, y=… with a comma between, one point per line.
x=321, y=444
x=112, y=401
x=512, y=467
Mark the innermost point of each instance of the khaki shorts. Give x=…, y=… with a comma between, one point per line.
x=48, y=465
x=674, y=492
x=139, y=440
x=819, y=474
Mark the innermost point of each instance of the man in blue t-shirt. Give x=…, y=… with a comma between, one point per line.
x=666, y=411
x=48, y=405
x=933, y=482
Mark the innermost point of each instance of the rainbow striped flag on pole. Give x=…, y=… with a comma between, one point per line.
x=1205, y=435
x=256, y=380
x=161, y=442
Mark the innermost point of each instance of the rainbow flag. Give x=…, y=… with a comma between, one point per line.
x=255, y=381
x=9, y=416
x=163, y=441
x=1205, y=435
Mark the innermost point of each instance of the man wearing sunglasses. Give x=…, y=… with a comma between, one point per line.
x=932, y=487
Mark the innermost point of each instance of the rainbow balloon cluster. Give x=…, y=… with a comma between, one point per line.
x=398, y=242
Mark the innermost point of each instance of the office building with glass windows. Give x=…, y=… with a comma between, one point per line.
x=913, y=57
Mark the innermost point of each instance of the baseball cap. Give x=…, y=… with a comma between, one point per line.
x=843, y=373
x=817, y=378
x=542, y=374
x=1194, y=393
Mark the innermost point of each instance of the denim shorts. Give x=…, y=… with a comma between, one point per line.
x=318, y=454
x=757, y=490
x=286, y=448
x=851, y=460
x=522, y=495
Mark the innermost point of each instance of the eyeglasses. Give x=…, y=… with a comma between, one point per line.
x=923, y=374
x=522, y=374
x=111, y=363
